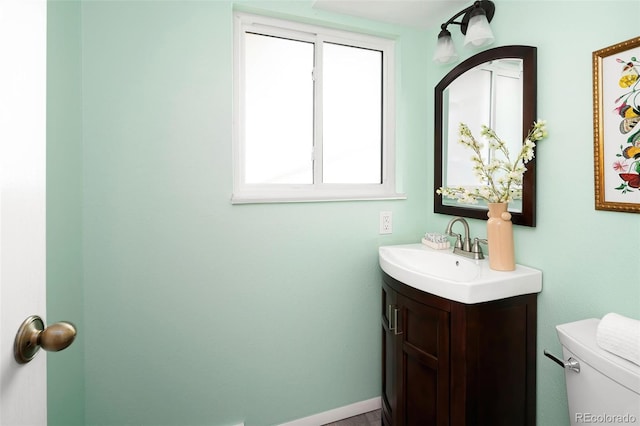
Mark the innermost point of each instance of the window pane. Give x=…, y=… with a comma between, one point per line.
x=352, y=114
x=278, y=110
x=472, y=88
x=508, y=111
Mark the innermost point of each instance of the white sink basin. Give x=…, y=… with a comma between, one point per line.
x=455, y=277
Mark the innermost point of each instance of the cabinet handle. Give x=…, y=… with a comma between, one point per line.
x=395, y=320
x=389, y=316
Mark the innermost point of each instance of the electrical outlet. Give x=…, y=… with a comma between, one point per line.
x=386, y=223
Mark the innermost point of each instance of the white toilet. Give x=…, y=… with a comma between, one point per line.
x=606, y=390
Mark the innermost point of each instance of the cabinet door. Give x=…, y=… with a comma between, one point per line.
x=424, y=383
x=390, y=356
x=500, y=368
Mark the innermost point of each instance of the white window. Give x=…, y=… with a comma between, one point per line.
x=314, y=113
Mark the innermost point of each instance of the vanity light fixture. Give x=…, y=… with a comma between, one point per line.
x=475, y=27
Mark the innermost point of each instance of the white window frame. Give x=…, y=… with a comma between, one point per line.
x=243, y=192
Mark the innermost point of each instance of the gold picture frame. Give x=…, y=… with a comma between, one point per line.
x=616, y=122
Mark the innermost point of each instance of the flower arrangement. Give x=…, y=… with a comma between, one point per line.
x=501, y=178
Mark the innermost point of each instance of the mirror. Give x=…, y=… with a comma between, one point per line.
x=496, y=88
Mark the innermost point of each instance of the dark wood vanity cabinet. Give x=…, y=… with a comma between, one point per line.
x=449, y=363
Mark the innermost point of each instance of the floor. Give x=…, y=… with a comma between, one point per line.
x=373, y=418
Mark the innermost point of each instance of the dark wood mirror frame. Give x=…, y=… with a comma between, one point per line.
x=529, y=99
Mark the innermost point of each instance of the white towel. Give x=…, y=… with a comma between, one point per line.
x=620, y=335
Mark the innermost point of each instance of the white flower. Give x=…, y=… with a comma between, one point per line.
x=484, y=192
x=468, y=198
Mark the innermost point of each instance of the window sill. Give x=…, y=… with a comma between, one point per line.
x=246, y=198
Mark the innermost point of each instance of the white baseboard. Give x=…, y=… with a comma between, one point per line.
x=338, y=413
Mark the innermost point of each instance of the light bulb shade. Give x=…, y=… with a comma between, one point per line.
x=445, y=50
x=478, y=30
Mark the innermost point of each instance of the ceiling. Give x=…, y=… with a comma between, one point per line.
x=423, y=14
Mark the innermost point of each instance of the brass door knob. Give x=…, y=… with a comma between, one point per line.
x=32, y=335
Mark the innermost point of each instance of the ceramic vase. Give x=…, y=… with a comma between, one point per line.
x=500, y=238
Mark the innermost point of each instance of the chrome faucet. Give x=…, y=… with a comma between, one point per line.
x=462, y=246
x=459, y=244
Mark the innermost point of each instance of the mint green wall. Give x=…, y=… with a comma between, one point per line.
x=65, y=293
x=587, y=257
x=200, y=312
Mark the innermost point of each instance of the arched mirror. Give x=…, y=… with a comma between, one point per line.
x=496, y=88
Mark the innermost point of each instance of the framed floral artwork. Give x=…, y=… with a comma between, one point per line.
x=616, y=117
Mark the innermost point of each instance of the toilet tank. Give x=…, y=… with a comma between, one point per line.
x=606, y=391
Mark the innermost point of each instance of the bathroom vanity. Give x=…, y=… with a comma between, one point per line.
x=447, y=362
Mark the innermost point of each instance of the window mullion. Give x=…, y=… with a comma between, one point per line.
x=317, y=112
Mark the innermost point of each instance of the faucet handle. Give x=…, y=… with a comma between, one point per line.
x=458, y=243
x=476, y=245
